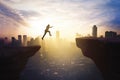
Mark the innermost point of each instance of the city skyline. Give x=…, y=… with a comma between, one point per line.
x=79, y=19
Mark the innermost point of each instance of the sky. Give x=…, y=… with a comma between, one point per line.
x=67, y=16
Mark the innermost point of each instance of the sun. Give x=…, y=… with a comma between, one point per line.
x=37, y=27
x=67, y=28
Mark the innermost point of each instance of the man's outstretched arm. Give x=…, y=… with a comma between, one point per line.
x=50, y=26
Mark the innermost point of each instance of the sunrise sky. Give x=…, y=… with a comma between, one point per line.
x=67, y=16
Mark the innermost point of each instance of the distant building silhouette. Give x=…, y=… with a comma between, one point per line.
x=6, y=41
x=118, y=36
x=57, y=35
x=101, y=36
x=110, y=34
x=78, y=35
x=14, y=42
x=1, y=42
x=94, y=31
x=31, y=42
x=20, y=39
x=24, y=40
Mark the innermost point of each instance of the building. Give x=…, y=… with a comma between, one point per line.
x=15, y=42
x=94, y=31
x=20, y=39
x=1, y=42
x=57, y=35
x=110, y=34
x=24, y=40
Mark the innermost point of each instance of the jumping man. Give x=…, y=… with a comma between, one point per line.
x=47, y=30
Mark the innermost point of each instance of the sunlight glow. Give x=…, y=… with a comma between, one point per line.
x=37, y=27
x=70, y=18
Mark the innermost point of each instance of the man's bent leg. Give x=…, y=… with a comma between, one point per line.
x=49, y=33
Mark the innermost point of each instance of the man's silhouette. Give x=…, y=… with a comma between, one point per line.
x=47, y=30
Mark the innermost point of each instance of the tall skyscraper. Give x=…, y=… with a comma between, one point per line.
x=24, y=40
x=94, y=31
x=13, y=41
x=57, y=35
x=20, y=39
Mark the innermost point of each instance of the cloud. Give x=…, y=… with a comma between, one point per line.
x=82, y=10
x=28, y=14
x=69, y=13
x=104, y=13
x=12, y=1
x=10, y=20
x=113, y=9
x=11, y=13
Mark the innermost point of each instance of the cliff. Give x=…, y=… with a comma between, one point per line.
x=105, y=53
x=13, y=61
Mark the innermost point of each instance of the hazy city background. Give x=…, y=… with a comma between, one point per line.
x=22, y=23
